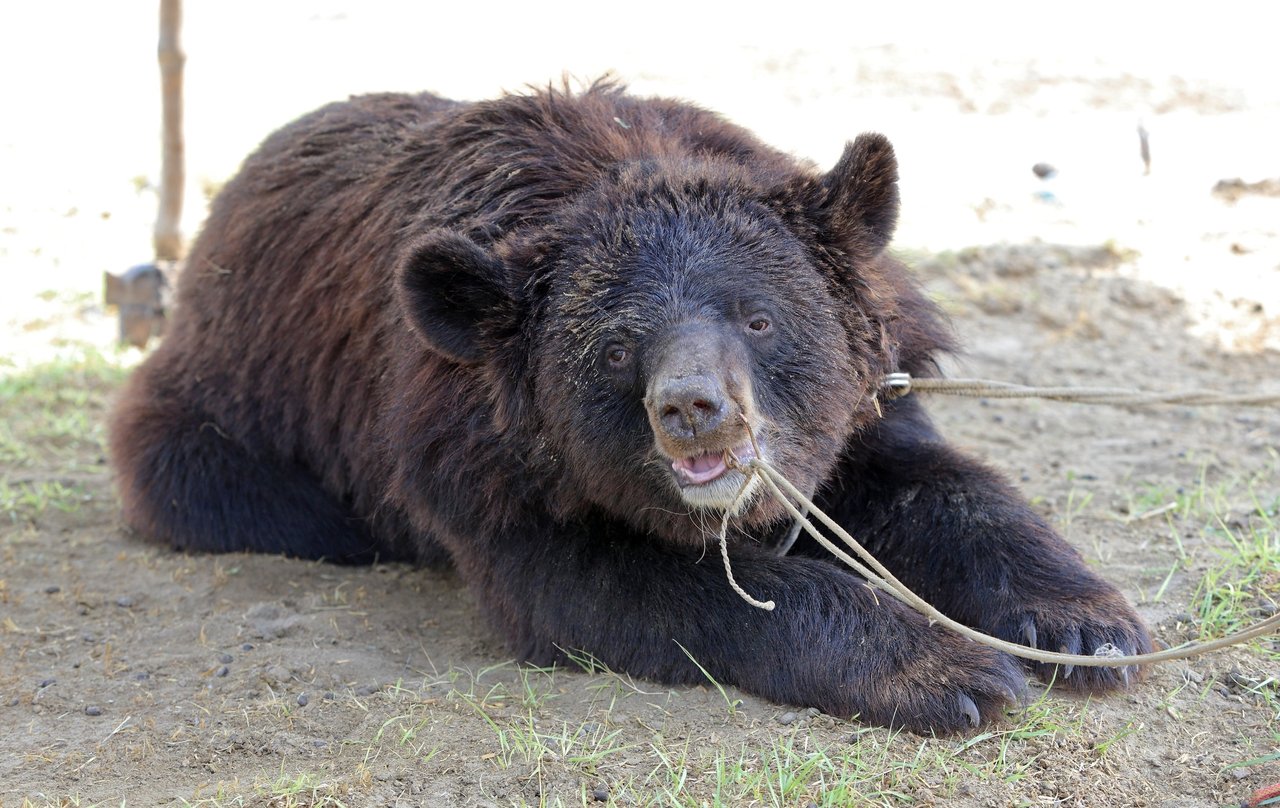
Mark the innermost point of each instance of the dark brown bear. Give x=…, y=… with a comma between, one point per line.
x=520, y=336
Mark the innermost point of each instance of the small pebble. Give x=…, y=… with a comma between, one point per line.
x=329, y=695
x=93, y=709
x=247, y=647
x=226, y=659
x=1240, y=773
x=52, y=590
x=1043, y=170
x=302, y=700
x=13, y=702
x=277, y=673
x=46, y=683
x=787, y=717
x=366, y=690
x=125, y=602
x=141, y=676
x=600, y=794
x=1239, y=680
x=223, y=671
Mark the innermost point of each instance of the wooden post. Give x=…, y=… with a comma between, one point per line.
x=168, y=234
x=142, y=293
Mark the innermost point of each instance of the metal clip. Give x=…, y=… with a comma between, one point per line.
x=899, y=384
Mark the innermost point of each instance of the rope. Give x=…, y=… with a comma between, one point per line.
x=767, y=605
x=1027, y=652
x=901, y=384
x=878, y=577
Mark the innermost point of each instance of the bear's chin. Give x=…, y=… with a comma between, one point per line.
x=723, y=493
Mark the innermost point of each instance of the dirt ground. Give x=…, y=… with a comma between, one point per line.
x=133, y=675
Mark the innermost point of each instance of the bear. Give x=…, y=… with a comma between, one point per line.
x=526, y=338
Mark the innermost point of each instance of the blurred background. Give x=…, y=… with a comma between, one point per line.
x=973, y=95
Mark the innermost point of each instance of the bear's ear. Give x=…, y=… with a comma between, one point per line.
x=455, y=296
x=858, y=199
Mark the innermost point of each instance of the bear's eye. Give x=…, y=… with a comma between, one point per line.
x=618, y=356
x=759, y=324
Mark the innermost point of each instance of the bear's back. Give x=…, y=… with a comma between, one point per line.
x=287, y=332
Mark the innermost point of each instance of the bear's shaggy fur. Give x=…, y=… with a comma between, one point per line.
x=521, y=335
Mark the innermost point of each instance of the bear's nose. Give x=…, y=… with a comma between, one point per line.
x=691, y=406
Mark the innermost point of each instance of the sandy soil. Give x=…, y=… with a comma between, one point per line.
x=131, y=673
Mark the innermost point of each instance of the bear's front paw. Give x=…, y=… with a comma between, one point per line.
x=935, y=682
x=1075, y=623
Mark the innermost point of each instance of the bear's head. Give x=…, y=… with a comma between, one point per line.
x=681, y=310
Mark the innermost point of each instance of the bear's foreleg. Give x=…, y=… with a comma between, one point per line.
x=957, y=534
x=831, y=642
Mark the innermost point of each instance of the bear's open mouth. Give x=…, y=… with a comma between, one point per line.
x=710, y=466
